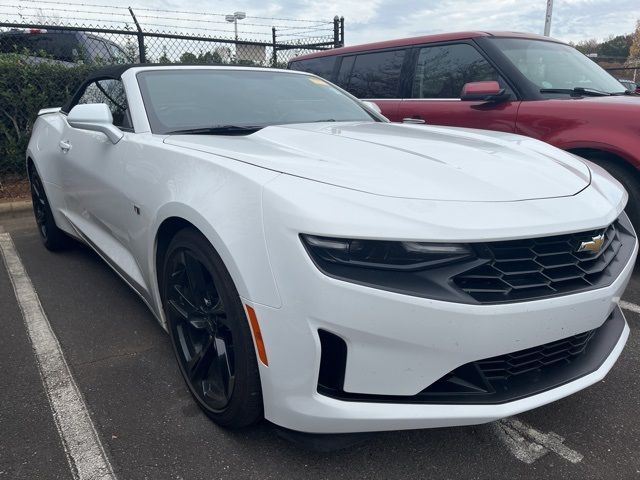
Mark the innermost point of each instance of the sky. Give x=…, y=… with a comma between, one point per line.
x=373, y=20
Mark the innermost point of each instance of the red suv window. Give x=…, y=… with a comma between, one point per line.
x=322, y=66
x=372, y=75
x=442, y=71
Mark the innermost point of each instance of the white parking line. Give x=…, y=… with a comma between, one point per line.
x=528, y=444
x=632, y=307
x=85, y=454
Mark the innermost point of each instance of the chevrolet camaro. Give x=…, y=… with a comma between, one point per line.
x=333, y=272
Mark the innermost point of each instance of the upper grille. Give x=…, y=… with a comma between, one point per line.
x=541, y=267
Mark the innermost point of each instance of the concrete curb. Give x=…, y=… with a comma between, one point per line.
x=14, y=209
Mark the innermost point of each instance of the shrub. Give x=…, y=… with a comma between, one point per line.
x=26, y=86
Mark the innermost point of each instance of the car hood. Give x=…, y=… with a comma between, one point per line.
x=436, y=163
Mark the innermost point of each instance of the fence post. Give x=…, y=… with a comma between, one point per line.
x=141, y=48
x=342, y=31
x=336, y=31
x=274, y=53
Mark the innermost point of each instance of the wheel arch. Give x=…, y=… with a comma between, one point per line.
x=237, y=259
x=29, y=164
x=166, y=231
x=591, y=153
x=611, y=150
x=170, y=225
x=623, y=171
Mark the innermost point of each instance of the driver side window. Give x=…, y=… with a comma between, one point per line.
x=442, y=71
x=111, y=92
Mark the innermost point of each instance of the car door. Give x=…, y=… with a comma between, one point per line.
x=374, y=76
x=433, y=92
x=93, y=169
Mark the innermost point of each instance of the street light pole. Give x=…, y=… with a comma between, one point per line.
x=547, y=20
x=234, y=18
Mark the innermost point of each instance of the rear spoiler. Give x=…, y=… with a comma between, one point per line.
x=45, y=111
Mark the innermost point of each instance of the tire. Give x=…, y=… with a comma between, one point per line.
x=628, y=177
x=210, y=332
x=52, y=237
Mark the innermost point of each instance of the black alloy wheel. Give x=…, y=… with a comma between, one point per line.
x=199, y=324
x=52, y=237
x=210, y=333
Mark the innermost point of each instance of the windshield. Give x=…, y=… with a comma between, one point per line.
x=550, y=65
x=188, y=99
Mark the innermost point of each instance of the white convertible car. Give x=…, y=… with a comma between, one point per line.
x=331, y=271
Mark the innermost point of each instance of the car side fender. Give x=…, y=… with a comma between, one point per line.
x=243, y=252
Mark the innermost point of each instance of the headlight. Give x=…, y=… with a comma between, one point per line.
x=383, y=254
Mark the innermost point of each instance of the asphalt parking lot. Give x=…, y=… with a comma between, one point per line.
x=150, y=428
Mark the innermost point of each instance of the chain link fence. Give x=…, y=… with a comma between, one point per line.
x=47, y=48
x=628, y=73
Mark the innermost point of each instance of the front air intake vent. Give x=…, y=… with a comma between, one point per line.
x=333, y=362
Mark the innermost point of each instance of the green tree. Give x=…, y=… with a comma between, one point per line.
x=634, y=51
x=131, y=48
x=25, y=88
x=188, y=57
x=163, y=58
x=209, y=57
x=617, y=47
x=587, y=46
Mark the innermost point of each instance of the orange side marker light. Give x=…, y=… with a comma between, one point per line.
x=257, y=335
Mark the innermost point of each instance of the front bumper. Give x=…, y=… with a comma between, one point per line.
x=400, y=344
x=321, y=414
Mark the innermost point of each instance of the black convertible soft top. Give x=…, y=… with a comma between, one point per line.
x=113, y=72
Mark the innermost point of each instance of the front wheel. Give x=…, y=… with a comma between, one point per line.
x=210, y=332
x=52, y=237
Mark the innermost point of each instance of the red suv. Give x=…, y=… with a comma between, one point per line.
x=511, y=82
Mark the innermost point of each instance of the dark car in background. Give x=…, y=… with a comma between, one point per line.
x=630, y=85
x=512, y=82
x=61, y=46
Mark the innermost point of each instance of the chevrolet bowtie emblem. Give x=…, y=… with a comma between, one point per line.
x=594, y=245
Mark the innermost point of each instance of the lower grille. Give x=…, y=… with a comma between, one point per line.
x=511, y=376
x=562, y=352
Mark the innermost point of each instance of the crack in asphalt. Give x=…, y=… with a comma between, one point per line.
x=117, y=355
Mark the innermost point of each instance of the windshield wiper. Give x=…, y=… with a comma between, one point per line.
x=577, y=91
x=218, y=130
x=626, y=92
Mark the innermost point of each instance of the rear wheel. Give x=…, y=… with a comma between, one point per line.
x=628, y=177
x=52, y=237
x=210, y=333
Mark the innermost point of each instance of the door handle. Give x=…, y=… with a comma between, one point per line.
x=65, y=146
x=416, y=120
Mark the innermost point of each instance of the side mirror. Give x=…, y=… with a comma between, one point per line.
x=483, y=92
x=95, y=117
x=372, y=106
